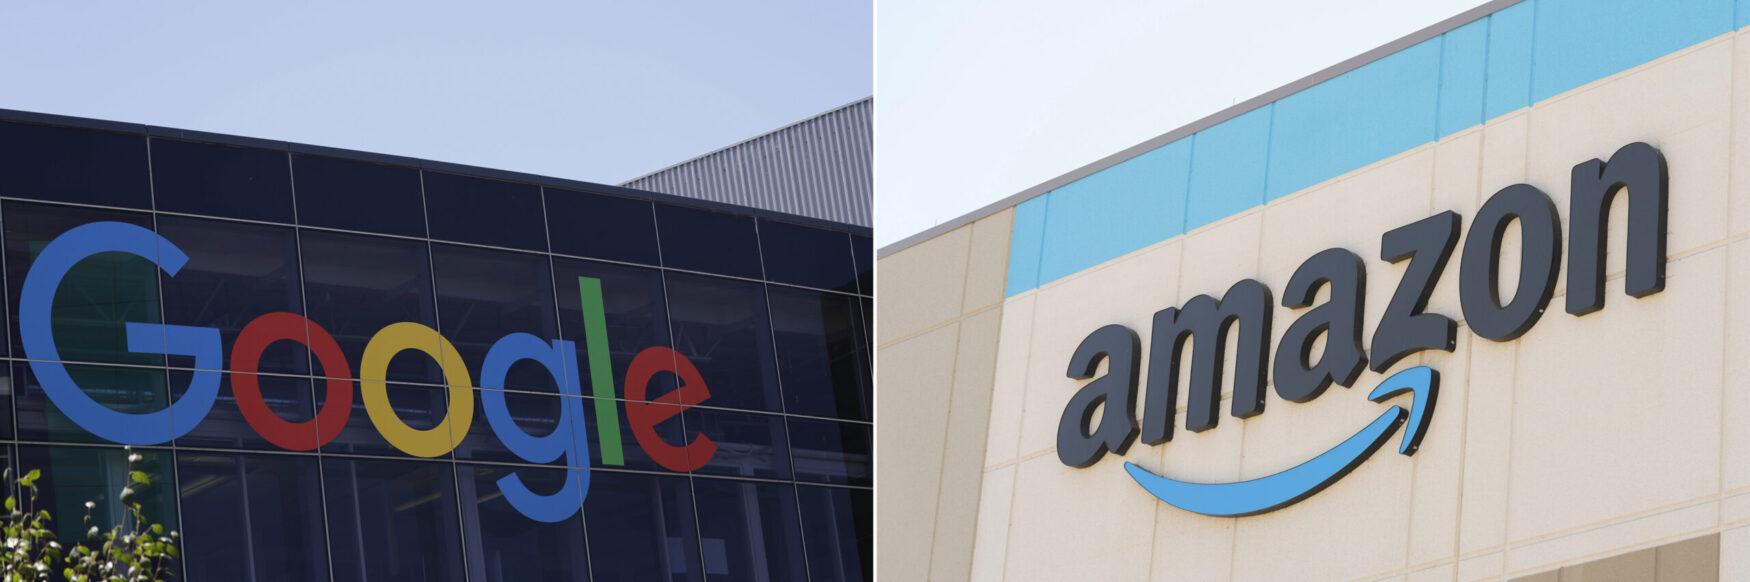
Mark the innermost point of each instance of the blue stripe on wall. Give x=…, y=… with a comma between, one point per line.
x=1502, y=62
x=1463, y=63
x=1508, y=86
x=1365, y=115
x=1227, y=168
x=1025, y=245
x=1136, y=203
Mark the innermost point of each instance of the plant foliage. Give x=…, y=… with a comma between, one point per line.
x=137, y=550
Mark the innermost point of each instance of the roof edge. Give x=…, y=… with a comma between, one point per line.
x=786, y=126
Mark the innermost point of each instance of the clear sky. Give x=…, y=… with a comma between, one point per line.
x=980, y=99
x=598, y=91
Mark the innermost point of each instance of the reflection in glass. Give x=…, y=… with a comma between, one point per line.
x=356, y=285
x=484, y=295
x=811, y=257
x=824, y=451
x=82, y=166
x=221, y=180
x=722, y=326
x=289, y=397
x=235, y=273
x=354, y=195
x=506, y=546
x=122, y=389
x=392, y=520
x=252, y=517
x=839, y=525
x=864, y=250
x=749, y=530
x=821, y=357
x=99, y=294
x=601, y=227
x=641, y=527
x=748, y=445
x=485, y=212
x=712, y=242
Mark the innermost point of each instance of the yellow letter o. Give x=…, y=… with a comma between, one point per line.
x=374, y=370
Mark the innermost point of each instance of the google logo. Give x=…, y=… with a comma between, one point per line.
x=558, y=357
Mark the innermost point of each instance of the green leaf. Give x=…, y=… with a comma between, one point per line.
x=140, y=477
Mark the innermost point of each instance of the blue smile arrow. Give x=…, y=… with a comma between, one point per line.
x=1282, y=489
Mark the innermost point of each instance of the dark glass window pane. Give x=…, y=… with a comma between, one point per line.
x=488, y=212
x=811, y=257
x=535, y=414
x=122, y=389
x=839, y=525
x=713, y=242
x=731, y=513
x=252, y=517
x=72, y=476
x=289, y=397
x=484, y=295
x=235, y=273
x=361, y=196
x=635, y=453
x=356, y=285
x=748, y=445
x=419, y=407
x=635, y=315
x=506, y=546
x=824, y=451
x=74, y=165
x=392, y=520
x=864, y=249
x=821, y=359
x=603, y=227
x=641, y=527
x=220, y=180
x=721, y=325
x=99, y=294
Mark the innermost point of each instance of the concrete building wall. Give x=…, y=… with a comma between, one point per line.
x=1594, y=446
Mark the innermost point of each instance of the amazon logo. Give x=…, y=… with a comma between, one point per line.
x=1101, y=417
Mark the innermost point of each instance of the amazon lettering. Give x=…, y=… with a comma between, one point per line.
x=1102, y=415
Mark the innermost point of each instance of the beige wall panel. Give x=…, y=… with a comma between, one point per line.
x=1009, y=387
x=1504, y=154
x=1438, y=573
x=1127, y=291
x=1359, y=526
x=1485, y=566
x=1439, y=464
x=1488, y=439
x=1618, y=411
x=1457, y=174
x=990, y=544
x=1735, y=553
x=928, y=279
x=916, y=376
x=1740, y=202
x=1189, y=546
x=1078, y=524
x=963, y=458
x=1612, y=539
x=1735, y=438
x=987, y=267
x=1692, y=560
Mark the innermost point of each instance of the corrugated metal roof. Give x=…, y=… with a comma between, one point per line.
x=820, y=167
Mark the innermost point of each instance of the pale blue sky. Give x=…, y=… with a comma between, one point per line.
x=981, y=99
x=597, y=91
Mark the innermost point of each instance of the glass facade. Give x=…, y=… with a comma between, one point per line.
x=411, y=374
